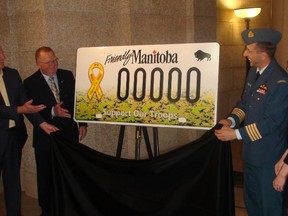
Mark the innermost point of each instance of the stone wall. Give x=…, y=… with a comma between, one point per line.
x=67, y=25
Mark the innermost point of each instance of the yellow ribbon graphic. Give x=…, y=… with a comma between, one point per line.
x=95, y=81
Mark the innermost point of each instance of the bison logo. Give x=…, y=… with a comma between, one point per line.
x=200, y=55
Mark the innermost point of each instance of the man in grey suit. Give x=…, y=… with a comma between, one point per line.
x=14, y=103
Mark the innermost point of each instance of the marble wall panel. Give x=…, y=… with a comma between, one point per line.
x=98, y=6
x=167, y=29
x=205, y=8
x=204, y=29
x=5, y=30
x=70, y=30
x=31, y=30
x=149, y=7
x=232, y=56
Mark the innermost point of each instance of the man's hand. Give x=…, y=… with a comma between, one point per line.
x=280, y=163
x=225, y=134
x=82, y=132
x=280, y=180
x=61, y=112
x=48, y=128
x=27, y=108
x=225, y=122
x=278, y=166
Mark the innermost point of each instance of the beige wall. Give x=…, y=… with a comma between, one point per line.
x=67, y=25
x=280, y=22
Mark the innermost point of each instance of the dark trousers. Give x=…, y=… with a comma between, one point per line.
x=44, y=177
x=9, y=162
x=285, y=200
x=42, y=148
x=260, y=197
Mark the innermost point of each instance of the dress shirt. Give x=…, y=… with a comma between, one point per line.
x=5, y=97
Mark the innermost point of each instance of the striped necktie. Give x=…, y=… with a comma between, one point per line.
x=54, y=89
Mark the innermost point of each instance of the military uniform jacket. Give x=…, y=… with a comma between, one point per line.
x=263, y=111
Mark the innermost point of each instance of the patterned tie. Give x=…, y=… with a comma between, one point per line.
x=54, y=89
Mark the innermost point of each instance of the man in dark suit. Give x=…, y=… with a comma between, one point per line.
x=14, y=103
x=264, y=113
x=54, y=88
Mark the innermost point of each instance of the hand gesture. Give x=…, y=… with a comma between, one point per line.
x=61, y=112
x=27, y=108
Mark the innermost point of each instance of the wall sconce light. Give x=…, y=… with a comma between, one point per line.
x=247, y=14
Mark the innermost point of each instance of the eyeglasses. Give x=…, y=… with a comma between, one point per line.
x=51, y=61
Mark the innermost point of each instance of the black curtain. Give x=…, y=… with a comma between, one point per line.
x=196, y=179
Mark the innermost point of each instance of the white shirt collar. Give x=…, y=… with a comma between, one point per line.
x=261, y=71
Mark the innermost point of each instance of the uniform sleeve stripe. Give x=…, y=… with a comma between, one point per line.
x=239, y=113
x=250, y=133
x=253, y=132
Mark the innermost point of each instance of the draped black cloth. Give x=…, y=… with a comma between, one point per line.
x=196, y=179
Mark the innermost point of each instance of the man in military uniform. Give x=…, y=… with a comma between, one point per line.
x=260, y=120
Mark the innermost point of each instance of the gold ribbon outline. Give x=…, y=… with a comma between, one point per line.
x=95, y=81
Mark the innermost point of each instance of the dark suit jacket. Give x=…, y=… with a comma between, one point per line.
x=16, y=94
x=38, y=89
